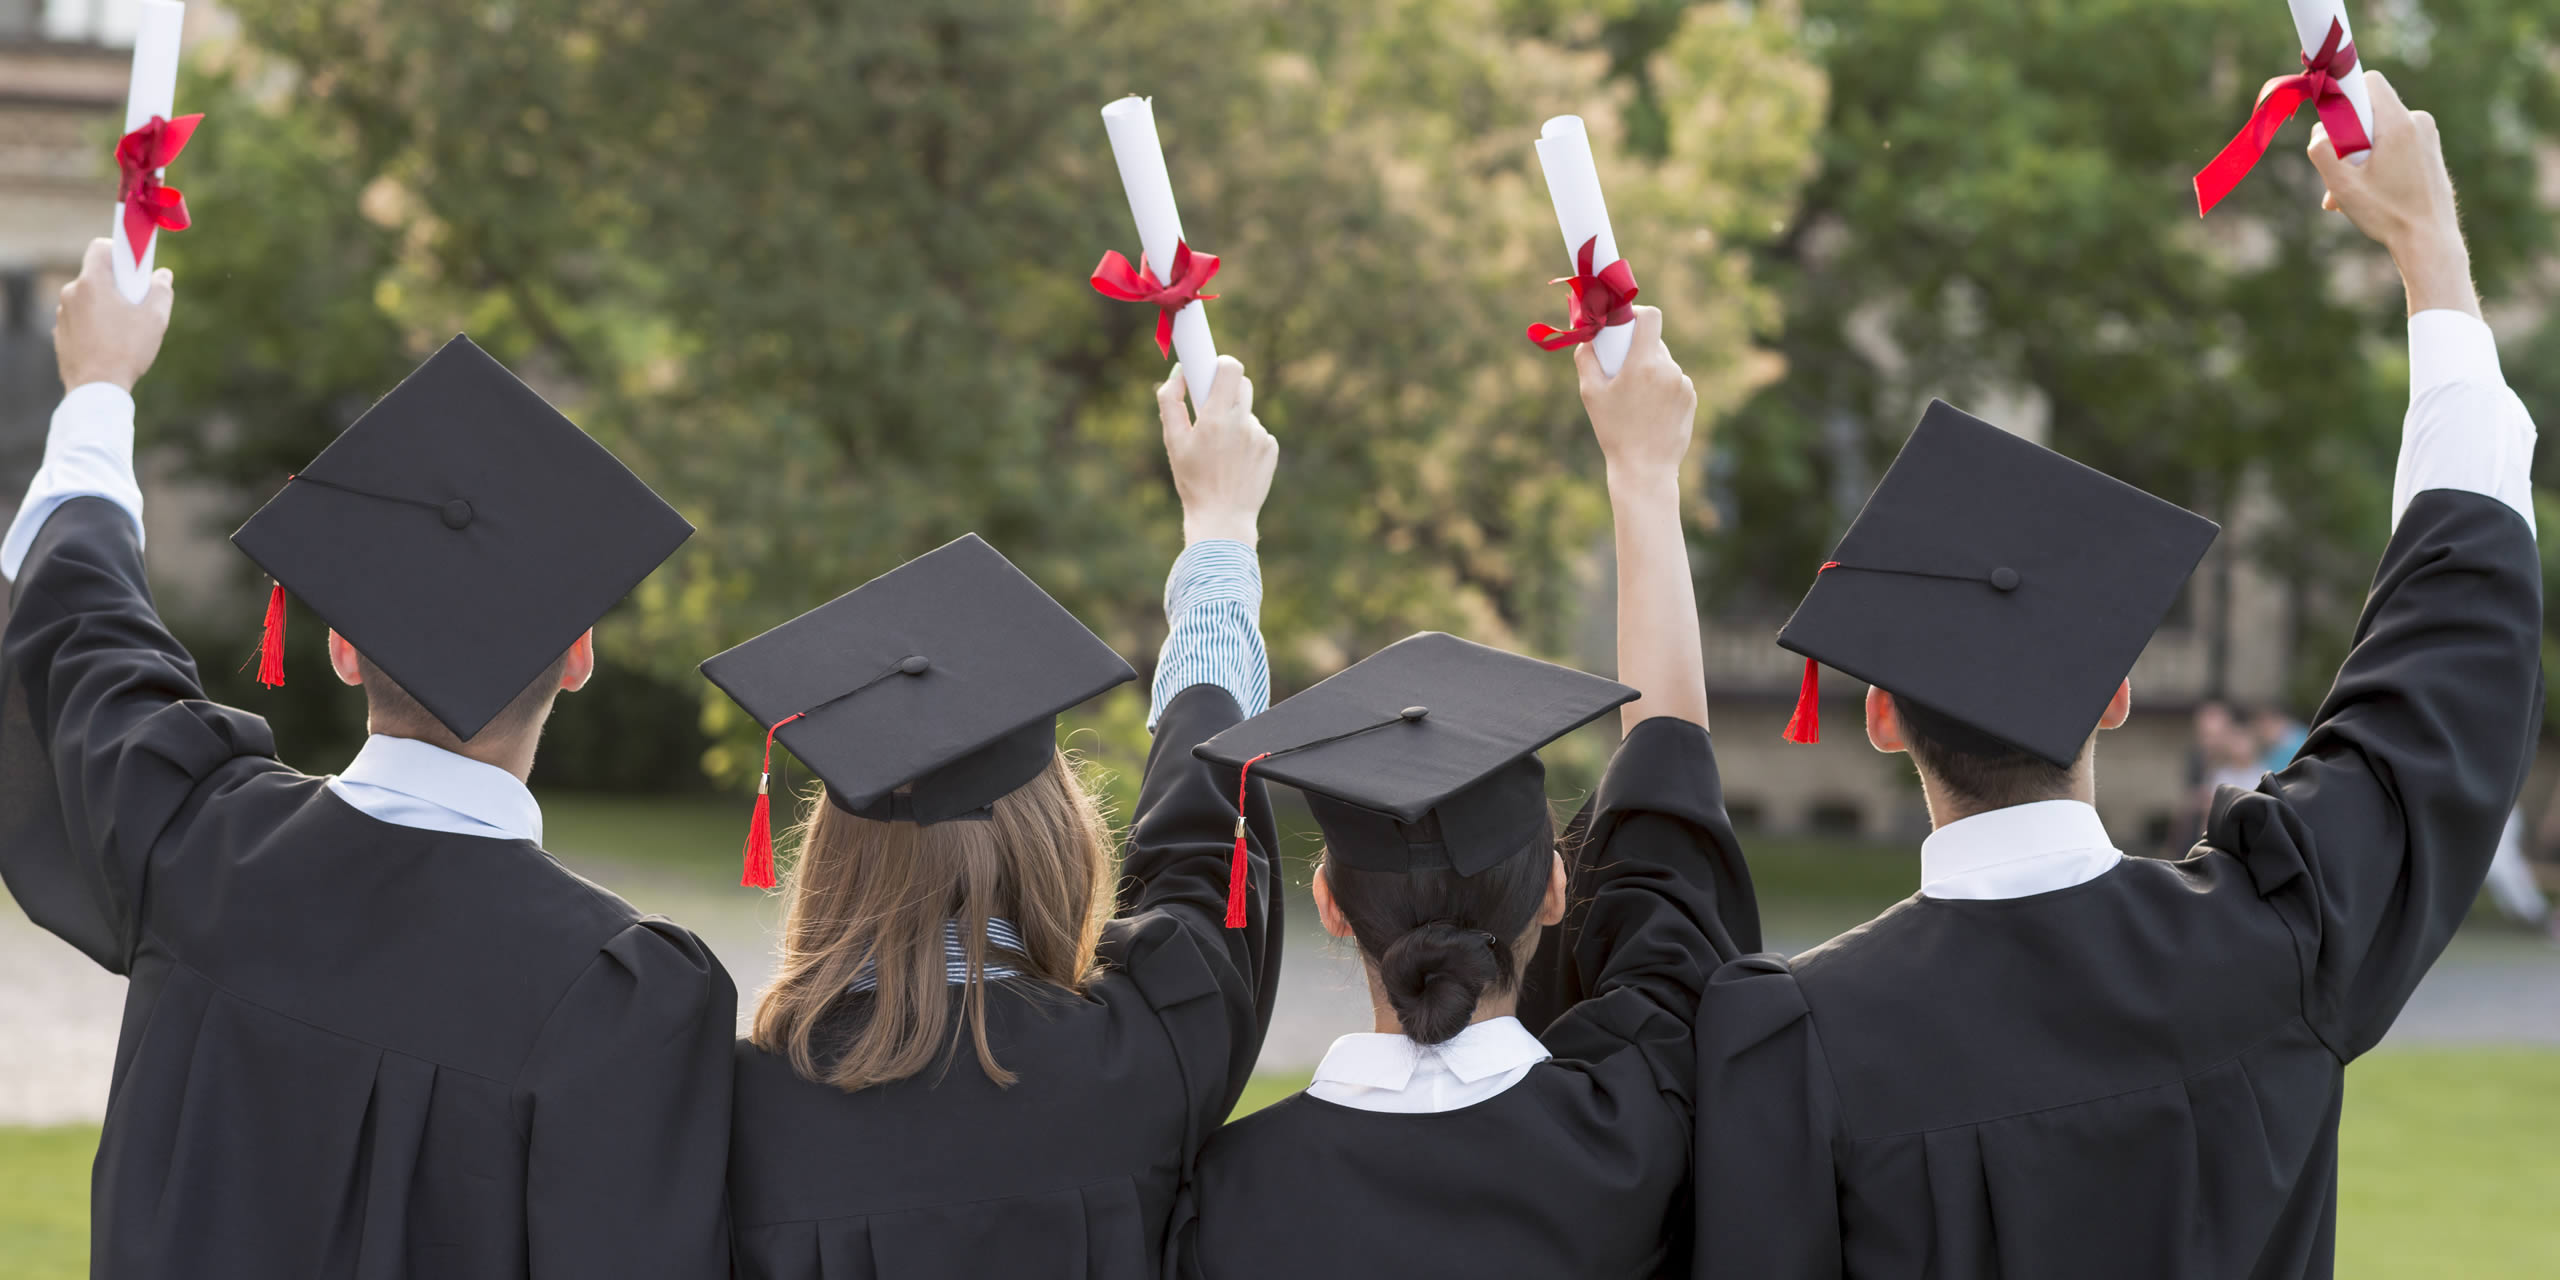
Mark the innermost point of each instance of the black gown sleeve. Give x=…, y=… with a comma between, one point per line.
x=1212, y=985
x=104, y=731
x=627, y=1158
x=1767, y=1204
x=1668, y=900
x=2374, y=842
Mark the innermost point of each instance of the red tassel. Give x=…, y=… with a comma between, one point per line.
x=1236, y=865
x=759, y=854
x=1805, y=726
x=271, y=641
x=759, y=870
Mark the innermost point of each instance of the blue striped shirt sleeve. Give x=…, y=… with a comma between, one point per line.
x=1213, y=603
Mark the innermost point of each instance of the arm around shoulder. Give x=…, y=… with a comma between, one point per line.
x=628, y=1152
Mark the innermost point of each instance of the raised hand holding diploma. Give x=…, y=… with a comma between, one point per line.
x=2331, y=80
x=1182, y=324
x=145, y=206
x=1602, y=309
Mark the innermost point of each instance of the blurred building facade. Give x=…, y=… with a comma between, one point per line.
x=63, y=71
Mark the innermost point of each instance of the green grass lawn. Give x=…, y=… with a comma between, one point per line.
x=44, y=1202
x=689, y=833
x=2450, y=1158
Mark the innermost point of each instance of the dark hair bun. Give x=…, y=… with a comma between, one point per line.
x=1435, y=974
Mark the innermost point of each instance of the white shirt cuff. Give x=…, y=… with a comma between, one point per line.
x=88, y=453
x=2450, y=346
x=2465, y=429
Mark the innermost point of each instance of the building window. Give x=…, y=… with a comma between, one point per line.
x=106, y=22
x=1836, y=816
x=1746, y=814
x=17, y=302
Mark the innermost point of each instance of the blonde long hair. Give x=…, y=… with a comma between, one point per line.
x=864, y=894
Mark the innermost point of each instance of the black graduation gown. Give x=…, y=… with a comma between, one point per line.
x=1577, y=1170
x=1072, y=1171
x=350, y=1049
x=2140, y=1075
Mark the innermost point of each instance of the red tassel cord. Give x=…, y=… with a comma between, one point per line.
x=1236, y=867
x=759, y=854
x=1804, y=728
x=271, y=640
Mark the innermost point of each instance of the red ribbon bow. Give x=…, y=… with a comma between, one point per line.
x=1599, y=301
x=149, y=203
x=1115, y=278
x=2278, y=99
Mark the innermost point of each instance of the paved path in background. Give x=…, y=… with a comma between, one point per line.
x=59, y=1012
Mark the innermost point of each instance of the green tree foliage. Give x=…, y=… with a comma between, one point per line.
x=2002, y=216
x=818, y=271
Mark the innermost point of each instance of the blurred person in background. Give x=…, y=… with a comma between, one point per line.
x=2279, y=736
x=2512, y=884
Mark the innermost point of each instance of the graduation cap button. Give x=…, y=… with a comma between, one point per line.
x=916, y=665
x=2004, y=578
x=457, y=514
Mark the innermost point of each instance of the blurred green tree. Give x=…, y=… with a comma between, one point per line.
x=818, y=271
x=2002, y=216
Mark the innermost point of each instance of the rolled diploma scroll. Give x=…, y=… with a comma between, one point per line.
x=1132, y=124
x=2311, y=20
x=153, y=92
x=1573, y=182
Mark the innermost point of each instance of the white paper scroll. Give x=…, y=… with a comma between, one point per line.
x=2311, y=19
x=1573, y=182
x=1132, y=125
x=154, y=92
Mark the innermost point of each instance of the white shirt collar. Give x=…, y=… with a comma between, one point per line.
x=2014, y=852
x=1485, y=1050
x=483, y=794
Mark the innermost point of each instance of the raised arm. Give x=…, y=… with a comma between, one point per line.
x=1643, y=418
x=2376, y=839
x=1174, y=937
x=1663, y=894
x=103, y=731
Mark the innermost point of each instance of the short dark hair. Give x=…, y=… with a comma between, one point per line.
x=1981, y=771
x=1441, y=940
x=392, y=709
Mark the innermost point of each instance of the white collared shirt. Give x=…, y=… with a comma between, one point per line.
x=2013, y=852
x=410, y=783
x=1374, y=1071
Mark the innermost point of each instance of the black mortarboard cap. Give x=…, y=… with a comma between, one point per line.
x=1425, y=753
x=944, y=675
x=461, y=535
x=2002, y=587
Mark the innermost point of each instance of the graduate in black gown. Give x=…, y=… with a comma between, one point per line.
x=1452, y=1141
x=2059, y=1061
x=372, y=1029
x=975, y=1059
